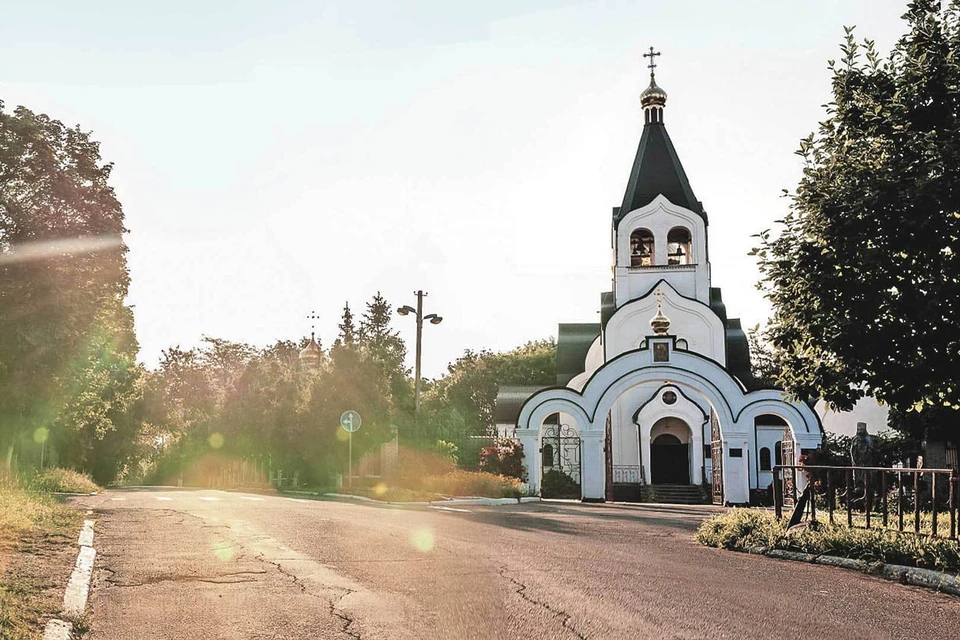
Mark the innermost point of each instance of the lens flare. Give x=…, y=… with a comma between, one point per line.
x=422, y=540
x=380, y=488
x=216, y=440
x=59, y=248
x=41, y=435
x=223, y=551
x=342, y=435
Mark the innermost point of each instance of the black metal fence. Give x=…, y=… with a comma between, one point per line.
x=870, y=496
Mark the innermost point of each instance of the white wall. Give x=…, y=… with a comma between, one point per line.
x=659, y=217
x=690, y=320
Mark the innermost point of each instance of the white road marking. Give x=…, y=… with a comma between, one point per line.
x=451, y=509
x=252, y=498
x=118, y=499
x=164, y=498
x=209, y=498
x=297, y=500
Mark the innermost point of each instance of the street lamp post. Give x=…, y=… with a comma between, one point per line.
x=434, y=319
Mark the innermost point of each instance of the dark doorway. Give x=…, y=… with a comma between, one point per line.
x=669, y=460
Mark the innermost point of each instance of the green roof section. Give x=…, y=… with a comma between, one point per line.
x=657, y=171
x=573, y=342
x=510, y=399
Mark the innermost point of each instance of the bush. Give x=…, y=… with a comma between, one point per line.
x=414, y=463
x=744, y=529
x=504, y=457
x=464, y=483
x=61, y=480
x=557, y=484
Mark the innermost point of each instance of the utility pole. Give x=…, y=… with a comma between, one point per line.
x=434, y=319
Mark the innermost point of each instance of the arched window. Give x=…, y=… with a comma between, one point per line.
x=778, y=453
x=547, y=455
x=765, y=459
x=641, y=248
x=679, y=246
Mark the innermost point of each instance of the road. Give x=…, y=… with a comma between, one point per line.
x=198, y=565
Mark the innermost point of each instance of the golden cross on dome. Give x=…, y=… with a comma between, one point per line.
x=652, y=55
x=659, y=295
x=312, y=317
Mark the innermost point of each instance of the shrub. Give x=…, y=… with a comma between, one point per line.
x=465, y=483
x=557, y=484
x=61, y=480
x=744, y=529
x=414, y=463
x=504, y=457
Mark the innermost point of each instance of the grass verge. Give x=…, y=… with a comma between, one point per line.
x=59, y=480
x=28, y=521
x=747, y=529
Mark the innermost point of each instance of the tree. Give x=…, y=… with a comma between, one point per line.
x=764, y=360
x=348, y=332
x=461, y=404
x=864, y=277
x=67, y=345
x=379, y=340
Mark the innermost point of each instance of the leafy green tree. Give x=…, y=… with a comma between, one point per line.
x=67, y=345
x=462, y=403
x=764, y=360
x=865, y=275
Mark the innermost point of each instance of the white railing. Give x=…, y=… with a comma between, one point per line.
x=627, y=474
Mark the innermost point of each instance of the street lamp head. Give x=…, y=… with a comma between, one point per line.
x=435, y=319
x=405, y=309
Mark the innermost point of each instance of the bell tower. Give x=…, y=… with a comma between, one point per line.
x=660, y=229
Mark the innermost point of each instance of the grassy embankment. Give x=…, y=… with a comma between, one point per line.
x=29, y=519
x=749, y=529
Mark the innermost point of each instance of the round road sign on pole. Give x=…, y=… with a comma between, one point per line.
x=350, y=421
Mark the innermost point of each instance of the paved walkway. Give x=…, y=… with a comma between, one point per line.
x=208, y=564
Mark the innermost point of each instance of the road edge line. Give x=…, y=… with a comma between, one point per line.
x=78, y=587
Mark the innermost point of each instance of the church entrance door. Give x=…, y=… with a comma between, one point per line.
x=669, y=460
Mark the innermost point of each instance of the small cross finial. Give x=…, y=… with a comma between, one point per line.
x=652, y=55
x=659, y=295
x=313, y=316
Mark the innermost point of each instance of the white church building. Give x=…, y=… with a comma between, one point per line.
x=657, y=397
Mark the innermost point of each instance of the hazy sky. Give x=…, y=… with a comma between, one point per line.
x=275, y=158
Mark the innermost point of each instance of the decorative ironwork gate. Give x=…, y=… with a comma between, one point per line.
x=716, y=458
x=560, y=462
x=789, y=458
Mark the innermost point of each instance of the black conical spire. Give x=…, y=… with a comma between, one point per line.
x=656, y=168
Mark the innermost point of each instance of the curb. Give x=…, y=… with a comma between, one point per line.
x=78, y=588
x=486, y=502
x=914, y=576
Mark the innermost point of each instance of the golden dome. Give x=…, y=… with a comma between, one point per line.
x=311, y=355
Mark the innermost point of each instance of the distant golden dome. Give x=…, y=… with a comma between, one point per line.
x=311, y=355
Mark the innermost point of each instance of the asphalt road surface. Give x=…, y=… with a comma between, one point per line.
x=198, y=565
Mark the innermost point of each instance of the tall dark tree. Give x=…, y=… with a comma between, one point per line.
x=67, y=346
x=865, y=275
x=348, y=331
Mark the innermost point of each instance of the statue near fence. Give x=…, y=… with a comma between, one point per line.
x=861, y=448
x=861, y=455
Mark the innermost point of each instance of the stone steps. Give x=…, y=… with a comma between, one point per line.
x=673, y=494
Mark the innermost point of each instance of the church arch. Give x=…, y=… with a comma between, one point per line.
x=670, y=452
x=679, y=246
x=642, y=247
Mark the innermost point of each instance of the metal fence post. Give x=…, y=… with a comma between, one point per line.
x=777, y=493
